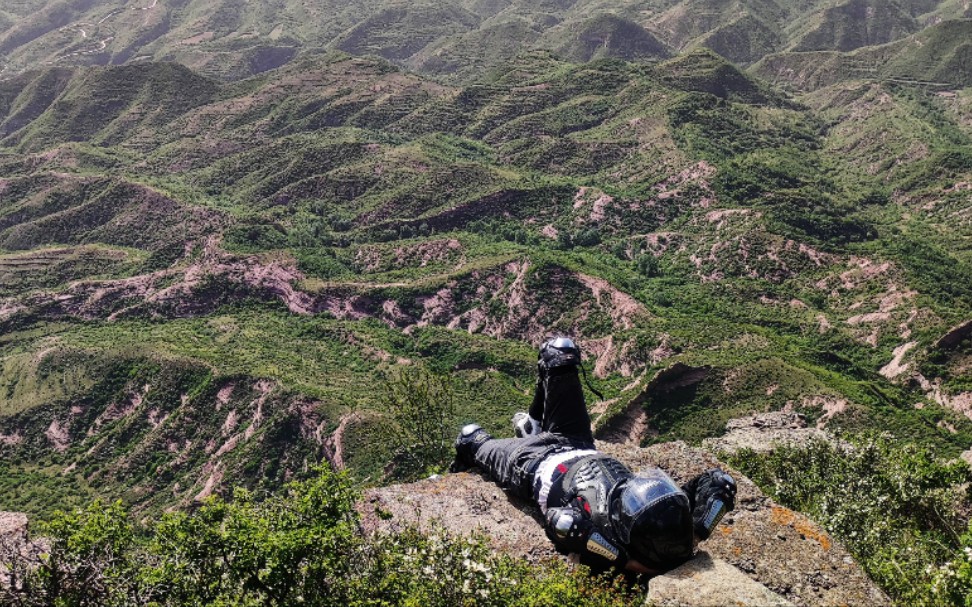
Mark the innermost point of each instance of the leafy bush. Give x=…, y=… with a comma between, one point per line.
x=421, y=410
x=647, y=265
x=303, y=546
x=952, y=583
x=896, y=507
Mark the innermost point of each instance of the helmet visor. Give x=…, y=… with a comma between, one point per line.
x=640, y=494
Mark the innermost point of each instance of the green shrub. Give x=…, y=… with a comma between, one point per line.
x=420, y=408
x=895, y=505
x=303, y=546
x=647, y=265
x=952, y=583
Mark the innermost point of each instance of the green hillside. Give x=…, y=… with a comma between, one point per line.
x=674, y=212
x=741, y=31
x=400, y=32
x=228, y=228
x=855, y=24
x=936, y=56
x=457, y=41
x=743, y=40
x=607, y=36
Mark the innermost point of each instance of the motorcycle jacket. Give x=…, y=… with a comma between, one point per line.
x=595, y=507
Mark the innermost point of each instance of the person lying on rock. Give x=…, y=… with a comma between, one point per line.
x=594, y=507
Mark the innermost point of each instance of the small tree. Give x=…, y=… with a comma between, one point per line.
x=420, y=408
x=648, y=265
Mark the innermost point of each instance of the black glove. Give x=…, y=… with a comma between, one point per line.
x=712, y=494
x=567, y=528
x=571, y=531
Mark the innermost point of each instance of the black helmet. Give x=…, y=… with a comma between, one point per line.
x=651, y=515
x=559, y=352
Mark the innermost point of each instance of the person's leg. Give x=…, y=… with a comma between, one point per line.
x=494, y=456
x=539, y=399
x=565, y=411
x=529, y=423
x=511, y=462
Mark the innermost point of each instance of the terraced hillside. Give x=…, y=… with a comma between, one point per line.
x=208, y=281
x=202, y=289
x=936, y=57
x=457, y=41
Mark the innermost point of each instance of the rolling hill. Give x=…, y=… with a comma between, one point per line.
x=936, y=56
x=226, y=227
x=678, y=212
x=455, y=41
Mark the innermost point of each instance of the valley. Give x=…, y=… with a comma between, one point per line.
x=224, y=226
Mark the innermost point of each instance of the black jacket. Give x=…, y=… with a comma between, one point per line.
x=578, y=519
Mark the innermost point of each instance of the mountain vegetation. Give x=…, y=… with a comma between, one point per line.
x=451, y=40
x=226, y=226
x=297, y=547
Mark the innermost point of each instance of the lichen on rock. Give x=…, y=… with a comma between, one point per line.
x=710, y=582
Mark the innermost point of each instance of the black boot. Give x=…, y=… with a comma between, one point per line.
x=467, y=444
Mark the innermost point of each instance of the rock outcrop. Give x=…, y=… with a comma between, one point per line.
x=13, y=540
x=762, y=432
x=13, y=525
x=786, y=558
x=710, y=581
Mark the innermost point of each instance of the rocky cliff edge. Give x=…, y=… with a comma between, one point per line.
x=761, y=554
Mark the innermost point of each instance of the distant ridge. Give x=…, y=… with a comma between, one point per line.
x=855, y=24
x=939, y=56
x=456, y=41
x=608, y=36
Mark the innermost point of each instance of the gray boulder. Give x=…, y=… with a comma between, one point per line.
x=710, y=582
x=13, y=525
x=13, y=541
x=762, y=432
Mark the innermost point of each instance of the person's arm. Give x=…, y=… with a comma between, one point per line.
x=635, y=567
x=572, y=532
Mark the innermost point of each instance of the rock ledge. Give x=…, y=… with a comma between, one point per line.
x=786, y=557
